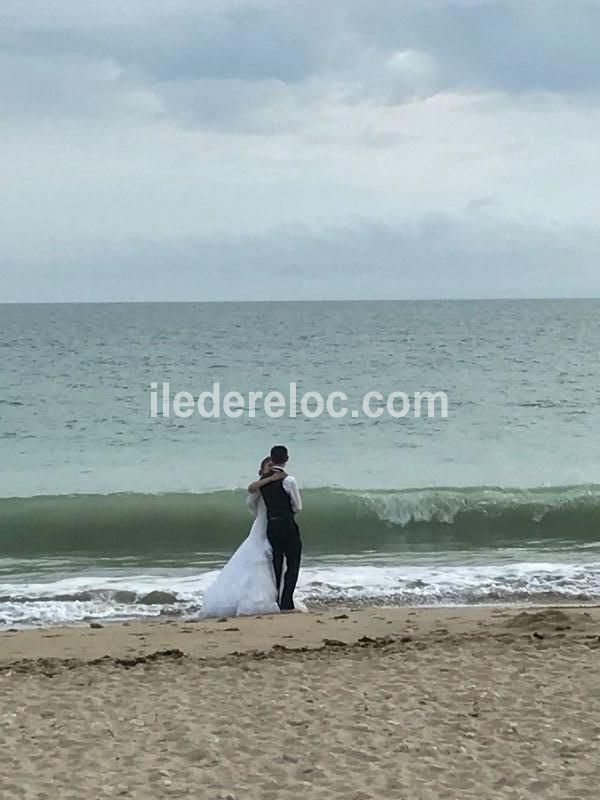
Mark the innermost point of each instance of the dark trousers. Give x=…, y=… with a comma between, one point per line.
x=284, y=537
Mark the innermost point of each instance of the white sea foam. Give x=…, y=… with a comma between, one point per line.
x=73, y=600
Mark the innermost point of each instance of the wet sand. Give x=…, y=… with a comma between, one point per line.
x=375, y=703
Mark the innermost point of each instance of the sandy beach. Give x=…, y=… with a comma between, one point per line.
x=376, y=703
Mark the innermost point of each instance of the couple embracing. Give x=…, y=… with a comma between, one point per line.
x=254, y=580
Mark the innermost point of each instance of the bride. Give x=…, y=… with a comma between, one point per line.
x=246, y=584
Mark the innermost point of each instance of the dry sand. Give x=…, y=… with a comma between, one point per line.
x=376, y=703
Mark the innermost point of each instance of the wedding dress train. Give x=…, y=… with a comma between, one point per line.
x=246, y=584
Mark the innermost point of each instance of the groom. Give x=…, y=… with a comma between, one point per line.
x=282, y=500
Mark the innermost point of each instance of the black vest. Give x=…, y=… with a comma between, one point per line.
x=277, y=500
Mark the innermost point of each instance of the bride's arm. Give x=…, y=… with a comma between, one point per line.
x=252, y=503
x=277, y=476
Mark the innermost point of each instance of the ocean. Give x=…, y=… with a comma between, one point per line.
x=102, y=504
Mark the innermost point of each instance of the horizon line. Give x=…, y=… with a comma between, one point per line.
x=317, y=300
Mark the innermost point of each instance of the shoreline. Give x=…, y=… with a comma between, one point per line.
x=319, y=607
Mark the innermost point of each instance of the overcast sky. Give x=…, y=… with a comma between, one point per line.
x=301, y=149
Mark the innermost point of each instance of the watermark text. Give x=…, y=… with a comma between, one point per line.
x=215, y=403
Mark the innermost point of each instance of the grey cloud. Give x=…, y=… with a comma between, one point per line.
x=68, y=86
x=249, y=41
x=440, y=256
x=508, y=45
x=541, y=45
x=125, y=124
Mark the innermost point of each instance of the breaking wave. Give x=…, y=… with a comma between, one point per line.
x=334, y=520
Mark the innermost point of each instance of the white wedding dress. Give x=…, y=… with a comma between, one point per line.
x=246, y=584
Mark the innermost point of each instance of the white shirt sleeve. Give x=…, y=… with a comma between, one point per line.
x=291, y=487
x=252, y=503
